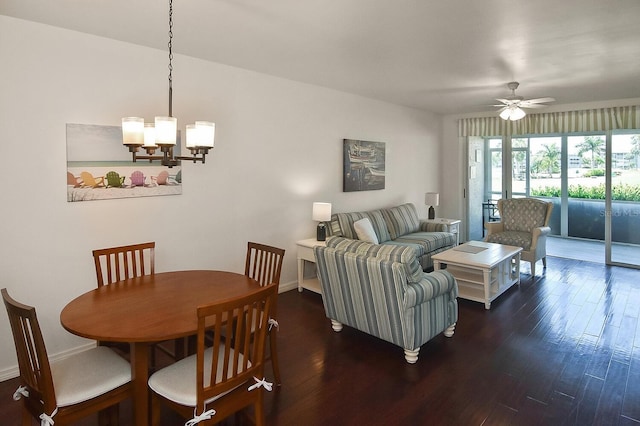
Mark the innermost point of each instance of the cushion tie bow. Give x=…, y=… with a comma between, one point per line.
x=273, y=323
x=20, y=392
x=46, y=420
x=267, y=385
x=206, y=415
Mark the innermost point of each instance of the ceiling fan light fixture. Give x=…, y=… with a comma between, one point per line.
x=512, y=113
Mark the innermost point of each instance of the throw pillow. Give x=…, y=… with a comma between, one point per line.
x=364, y=230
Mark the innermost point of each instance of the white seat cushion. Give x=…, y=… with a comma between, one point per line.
x=88, y=374
x=177, y=382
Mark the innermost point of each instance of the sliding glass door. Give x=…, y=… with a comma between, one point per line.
x=623, y=231
x=593, y=181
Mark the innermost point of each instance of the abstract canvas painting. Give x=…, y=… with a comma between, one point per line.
x=364, y=165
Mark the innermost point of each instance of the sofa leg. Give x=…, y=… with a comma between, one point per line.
x=411, y=355
x=336, y=326
x=449, y=330
x=533, y=269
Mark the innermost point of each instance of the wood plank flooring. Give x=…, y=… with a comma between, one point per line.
x=561, y=350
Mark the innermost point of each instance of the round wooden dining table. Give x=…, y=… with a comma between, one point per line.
x=149, y=309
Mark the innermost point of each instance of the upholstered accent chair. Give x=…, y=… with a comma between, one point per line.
x=524, y=222
x=381, y=290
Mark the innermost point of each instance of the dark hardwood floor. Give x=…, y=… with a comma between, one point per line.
x=563, y=350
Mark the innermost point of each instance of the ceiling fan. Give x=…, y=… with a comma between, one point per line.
x=511, y=107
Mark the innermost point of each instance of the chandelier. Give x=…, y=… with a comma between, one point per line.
x=162, y=134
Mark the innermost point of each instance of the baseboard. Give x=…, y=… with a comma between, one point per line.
x=13, y=372
x=288, y=286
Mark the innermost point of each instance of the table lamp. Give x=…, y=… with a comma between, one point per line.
x=321, y=213
x=432, y=199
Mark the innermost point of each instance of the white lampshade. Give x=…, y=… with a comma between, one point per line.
x=431, y=199
x=201, y=134
x=150, y=135
x=321, y=212
x=166, y=130
x=132, y=131
x=192, y=136
x=207, y=133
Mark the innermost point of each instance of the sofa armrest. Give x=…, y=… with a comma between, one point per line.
x=432, y=285
x=427, y=226
x=493, y=227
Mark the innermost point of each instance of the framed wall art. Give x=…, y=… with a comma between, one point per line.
x=100, y=167
x=364, y=165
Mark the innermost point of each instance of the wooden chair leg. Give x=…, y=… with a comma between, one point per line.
x=155, y=411
x=26, y=416
x=273, y=348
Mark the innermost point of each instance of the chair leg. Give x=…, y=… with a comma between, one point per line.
x=259, y=411
x=273, y=347
x=155, y=411
x=110, y=416
x=533, y=268
x=26, y=416
x=544, y=262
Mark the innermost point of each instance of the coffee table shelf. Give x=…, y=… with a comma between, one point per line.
x=483, y=270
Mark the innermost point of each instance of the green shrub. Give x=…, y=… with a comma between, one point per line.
x=594, y=172
x=621, y=192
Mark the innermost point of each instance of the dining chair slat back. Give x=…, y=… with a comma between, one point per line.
x=225, y=368
x=110, y=375
x=124, y=262
x=264, y=263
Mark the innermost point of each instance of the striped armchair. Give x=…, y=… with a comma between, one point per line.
x=382, y=290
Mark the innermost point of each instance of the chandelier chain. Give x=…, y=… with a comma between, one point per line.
x=170, y=45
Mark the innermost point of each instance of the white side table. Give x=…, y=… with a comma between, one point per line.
x=305, y=254
x=451, y=225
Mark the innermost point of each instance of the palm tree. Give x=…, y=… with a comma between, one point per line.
x=548, y=157
x=593, y=144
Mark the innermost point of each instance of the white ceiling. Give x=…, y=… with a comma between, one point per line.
x=444, y=56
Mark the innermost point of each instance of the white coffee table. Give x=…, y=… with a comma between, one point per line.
x=483, y=270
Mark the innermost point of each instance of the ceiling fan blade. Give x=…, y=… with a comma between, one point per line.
x=504, y=101
x=539, y=100
x=525, y=105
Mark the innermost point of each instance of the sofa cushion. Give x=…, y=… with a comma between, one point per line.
x=342, y=224
x=511, y=238
x=523, y=215
x=425, y=242
x=401, y=220
x=365, y=231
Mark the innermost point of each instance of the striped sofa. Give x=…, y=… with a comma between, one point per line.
x=398, y=226
x=383, y=291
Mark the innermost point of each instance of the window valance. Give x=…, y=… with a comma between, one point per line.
x=590, y=120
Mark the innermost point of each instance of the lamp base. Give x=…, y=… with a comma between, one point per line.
x=321, y=232
x=432, y=212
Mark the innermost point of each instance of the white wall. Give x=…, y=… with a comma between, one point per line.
x=278, y=149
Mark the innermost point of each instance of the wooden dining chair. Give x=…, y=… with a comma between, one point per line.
x=264, y=264
x=225, y=375
x=123, y=262
x=64, y=391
